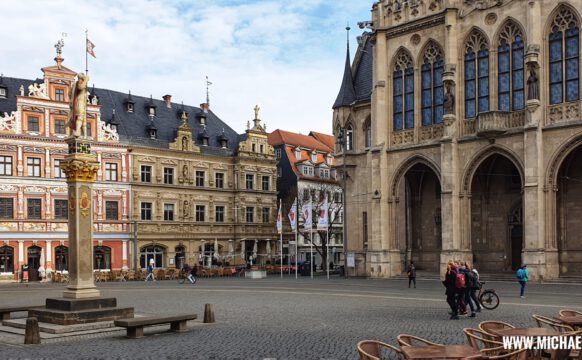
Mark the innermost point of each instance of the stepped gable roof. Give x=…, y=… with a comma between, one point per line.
x=133, y=126
x=347, y=93
x=363, y=68
x=12, y=87
x=279, y=137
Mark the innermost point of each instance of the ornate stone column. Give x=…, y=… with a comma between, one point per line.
x=80, y=167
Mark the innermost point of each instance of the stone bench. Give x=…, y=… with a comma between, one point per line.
x=135, y=326
x=7, y=310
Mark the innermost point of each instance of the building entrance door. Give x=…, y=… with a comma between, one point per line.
x=34, y=253
x=516, y=246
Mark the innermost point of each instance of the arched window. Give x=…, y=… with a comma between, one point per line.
x=511, y=80
x=564, y=57
x=101, y=258
x=61, y=258
x=403, y=92
x=368, y=130
x=6, y=259
x=432, y=86
x=349, y=138
x=152, y=252
x=476, y=75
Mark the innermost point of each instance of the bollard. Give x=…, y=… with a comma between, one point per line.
x=208, y=313
x=32, y=334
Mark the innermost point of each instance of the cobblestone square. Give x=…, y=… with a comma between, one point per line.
x=284, y=319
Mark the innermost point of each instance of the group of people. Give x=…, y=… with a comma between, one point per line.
x=462, y=284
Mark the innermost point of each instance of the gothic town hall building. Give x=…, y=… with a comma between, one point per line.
x=463, y=137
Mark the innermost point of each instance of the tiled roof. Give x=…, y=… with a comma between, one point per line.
x=133, y=126
x=279, y=137
x=328, y=140
x=363, y=68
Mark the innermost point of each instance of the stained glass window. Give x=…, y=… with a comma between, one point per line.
x=510, y=65
x=476, y=75
x=403, y=92
x=432, y=86
x=564, y=57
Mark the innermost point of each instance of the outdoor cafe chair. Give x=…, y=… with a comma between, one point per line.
x=489, y=326
x=411, y=340
x=568, y=312
x=544, y=321
x=372, y=350
x=479, y=339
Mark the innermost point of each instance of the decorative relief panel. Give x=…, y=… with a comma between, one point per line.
x=431, y=132
x=8, y=188
x=111, y=156
x=403, y=137
x=563, y=112
x=9, y=226
x=34, y=150
x=37, y=227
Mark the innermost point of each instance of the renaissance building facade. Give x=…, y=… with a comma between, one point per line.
x=176, y=184
x=462, y=137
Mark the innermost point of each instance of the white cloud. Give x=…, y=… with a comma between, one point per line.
x=288, y=57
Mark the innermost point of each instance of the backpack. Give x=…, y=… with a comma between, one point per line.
x=520, y=274
x=471, y=280
x=460, y=280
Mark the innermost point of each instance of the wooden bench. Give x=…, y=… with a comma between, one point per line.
x=135, y=326
x=7, y=310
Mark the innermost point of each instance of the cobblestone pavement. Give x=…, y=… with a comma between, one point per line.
x=284, y=319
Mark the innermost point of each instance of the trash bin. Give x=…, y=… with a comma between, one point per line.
x=305, y=269
x=342, y=271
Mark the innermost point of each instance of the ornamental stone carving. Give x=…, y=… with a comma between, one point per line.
x=8, y=121
x=79, y=169
x=108, y=133
x=38, y=91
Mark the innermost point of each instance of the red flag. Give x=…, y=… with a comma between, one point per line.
x=90, y=48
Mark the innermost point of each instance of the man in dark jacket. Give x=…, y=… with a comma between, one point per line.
x=470, y=285
x=451, y=289
x=411, y=272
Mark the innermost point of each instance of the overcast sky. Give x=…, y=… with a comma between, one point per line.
x=286, y=56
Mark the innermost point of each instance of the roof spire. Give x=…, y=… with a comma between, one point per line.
x=59, y=46
x=347, y=93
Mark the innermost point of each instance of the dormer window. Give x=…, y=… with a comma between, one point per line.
x=60, y=95
x=151, y=107
x=2, y=92
x=314, y=157
x=129, y=103
x=298, y=154
x=204, y=137
x=202, y=118
x=223, y=140
x=113, y=122
x=152, y=131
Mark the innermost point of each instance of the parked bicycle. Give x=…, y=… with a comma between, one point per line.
x=488, y=297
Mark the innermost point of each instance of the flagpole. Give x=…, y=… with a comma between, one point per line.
x=86, y=52
x=311, y=235
x=281, y=237
x=296, y=231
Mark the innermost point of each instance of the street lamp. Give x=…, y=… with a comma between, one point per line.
x=340, y=144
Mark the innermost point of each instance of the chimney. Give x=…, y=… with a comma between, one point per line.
x=204, y=107
x=168, y=100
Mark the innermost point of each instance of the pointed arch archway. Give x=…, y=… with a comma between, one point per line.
x=493, y=182
x=417, y=217
x=564, y=185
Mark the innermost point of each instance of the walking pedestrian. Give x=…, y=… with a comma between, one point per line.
x=451, y=289
x=522, y=278
x=193, y=273
x=150, y=271
x=411, y=274
x=475, y=289
x=470, y=285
